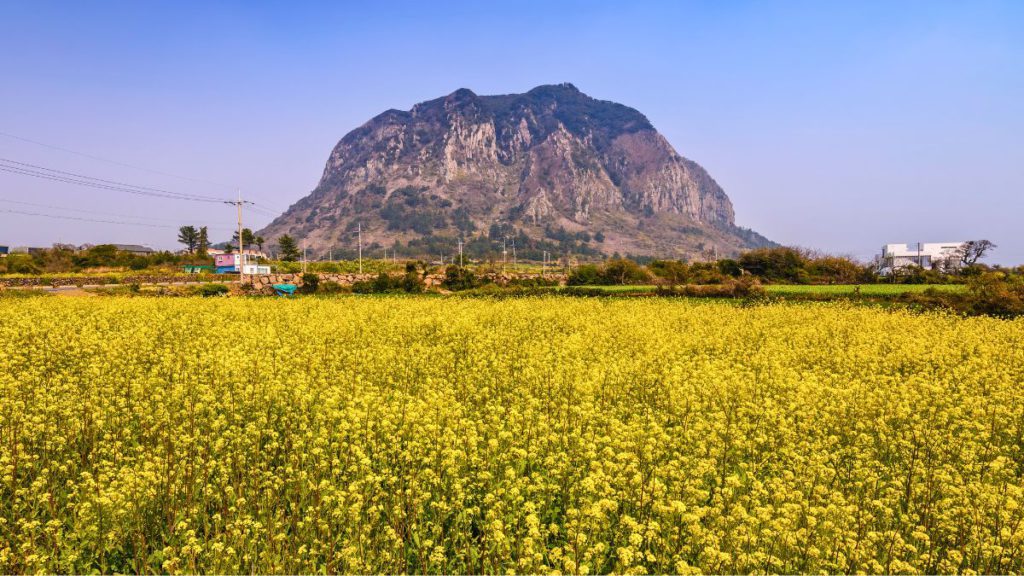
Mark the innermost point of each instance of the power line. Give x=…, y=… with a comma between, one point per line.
x=270, y=210
x=26, y=213
x=64, y=208
x=100, y=185
x=105, y=181
x=37, y=170
x=125, y=164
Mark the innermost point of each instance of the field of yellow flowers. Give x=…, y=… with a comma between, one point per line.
x=528, y=435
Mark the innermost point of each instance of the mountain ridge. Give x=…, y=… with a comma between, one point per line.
x=551, y=166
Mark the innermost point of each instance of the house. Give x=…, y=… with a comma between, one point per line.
x=923, y=254
x=228, y=264
x=134, y=249
x=4, y=251
x=27, y=250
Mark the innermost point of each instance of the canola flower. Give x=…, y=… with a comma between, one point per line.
x=542, y=435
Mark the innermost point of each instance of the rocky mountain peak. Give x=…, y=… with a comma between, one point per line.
x=546, y=164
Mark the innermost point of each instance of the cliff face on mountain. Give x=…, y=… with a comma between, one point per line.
x=551, y=166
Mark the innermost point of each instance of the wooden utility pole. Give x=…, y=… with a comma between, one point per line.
x=360, y=247
x=241, y=239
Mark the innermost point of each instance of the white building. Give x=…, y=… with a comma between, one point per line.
x=923, y=254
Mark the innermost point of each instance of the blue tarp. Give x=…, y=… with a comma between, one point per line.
x=284, y=289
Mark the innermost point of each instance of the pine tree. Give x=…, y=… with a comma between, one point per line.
x=203, y=242
x=288, y=248
x=189, y=236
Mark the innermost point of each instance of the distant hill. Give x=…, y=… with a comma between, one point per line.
x=554, y=168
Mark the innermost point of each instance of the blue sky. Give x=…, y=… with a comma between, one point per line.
x=835, y=126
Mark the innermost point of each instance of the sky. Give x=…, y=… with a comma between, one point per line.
x=836, y=126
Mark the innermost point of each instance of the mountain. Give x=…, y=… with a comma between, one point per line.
x=554, y=168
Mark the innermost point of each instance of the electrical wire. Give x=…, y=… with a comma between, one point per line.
x=99, y=185
x=52, y=173
x=83, y=211
x=115, y=162
x=276, y=211
x=26, y=213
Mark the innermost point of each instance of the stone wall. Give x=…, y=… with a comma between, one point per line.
x=431, y=281
x=54, y=281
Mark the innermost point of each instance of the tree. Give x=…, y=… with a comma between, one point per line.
x=259, y=241
x=203, y=242
x=288, y=248
x=973, y=250
x=248, y=238
x=189, y=236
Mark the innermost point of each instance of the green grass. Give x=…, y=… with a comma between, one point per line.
x=802, y=289
x=865, y=289
x=618, y=288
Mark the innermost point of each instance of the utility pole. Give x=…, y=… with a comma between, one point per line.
x=241, y=239
x=303, y=255
x=504, y=255
x=460, y=253
x=360, y=247
x=513, y=252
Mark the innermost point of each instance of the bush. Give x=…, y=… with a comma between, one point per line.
x=310, y=282
x=331, y=287
x=585, y=275
x=457, y=278
x=386, y=284
x=206, y=290
x=776, y=264
x=670, y=271
x=743, y=287
x=623, y=271
x=996, y=294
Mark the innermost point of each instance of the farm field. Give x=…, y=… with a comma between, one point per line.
x=865, y=289
x=824, y=289
x=405, y=434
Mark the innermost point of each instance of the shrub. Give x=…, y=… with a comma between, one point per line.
x=775, y=264
x=206, y=290
x=457, y=278
x=310, y=282
x=385, y=283
x=587, y=274
x=670, y=271
x=331, y=287
x=623, y=271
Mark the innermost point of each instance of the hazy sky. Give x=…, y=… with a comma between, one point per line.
x=834, y=126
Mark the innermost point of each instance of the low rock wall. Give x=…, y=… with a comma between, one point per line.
x=34, y=281
x=431, y=280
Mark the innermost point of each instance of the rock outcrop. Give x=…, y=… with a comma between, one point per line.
x=548, y=165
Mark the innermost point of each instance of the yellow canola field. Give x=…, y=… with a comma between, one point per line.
x=527, y=435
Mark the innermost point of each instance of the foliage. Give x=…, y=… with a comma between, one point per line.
x=310, y=283
x=411, y=282
x=776, y=264
x=529, y=435
x=211, y=289
x=288, y=250
x=189, y=236
x=332, y=287
x=459, y=278
x=614, y=271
